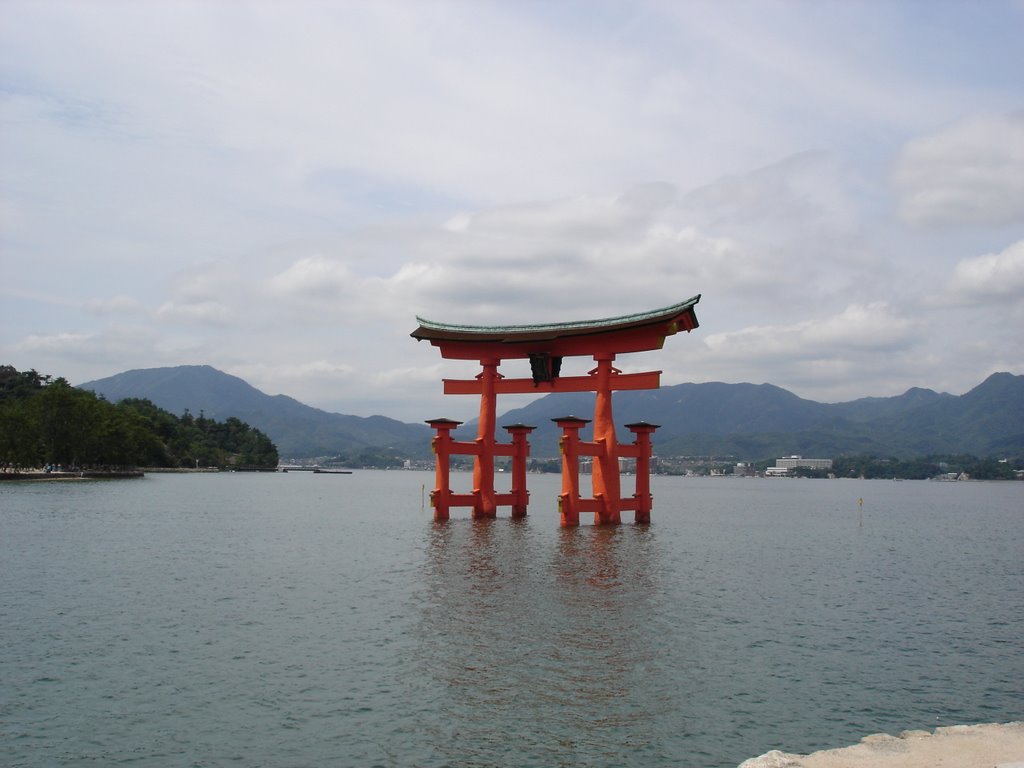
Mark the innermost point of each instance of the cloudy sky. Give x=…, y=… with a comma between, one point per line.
x=278, y=189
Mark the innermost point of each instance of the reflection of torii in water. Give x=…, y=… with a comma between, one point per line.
x=545, y=346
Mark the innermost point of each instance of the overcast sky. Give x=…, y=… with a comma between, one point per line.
x=278, y=189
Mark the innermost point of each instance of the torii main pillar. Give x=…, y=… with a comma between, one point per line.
x=545, y=346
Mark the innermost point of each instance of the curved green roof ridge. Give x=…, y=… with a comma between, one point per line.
x=572, y=325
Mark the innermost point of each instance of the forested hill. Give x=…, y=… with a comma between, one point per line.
x=297, y=429
x=45, y=421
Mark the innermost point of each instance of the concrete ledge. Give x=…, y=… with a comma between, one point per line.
x=959, y=746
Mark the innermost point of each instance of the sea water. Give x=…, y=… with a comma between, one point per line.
x=310, y=620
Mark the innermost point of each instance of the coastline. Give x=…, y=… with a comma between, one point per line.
x=991, y=745
x=179, y=470
x=39, y=475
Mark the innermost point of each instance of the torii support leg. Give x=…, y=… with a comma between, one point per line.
x=606, y=481
x=520, y=452
x=644, y=501
x=483, y=465
x=569, y=499
x=440, y=497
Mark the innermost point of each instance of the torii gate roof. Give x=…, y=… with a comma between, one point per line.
x=628, y=333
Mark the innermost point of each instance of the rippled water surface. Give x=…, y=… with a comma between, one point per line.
x=308, y=620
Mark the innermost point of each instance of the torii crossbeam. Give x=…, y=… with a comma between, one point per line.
x=545, y=346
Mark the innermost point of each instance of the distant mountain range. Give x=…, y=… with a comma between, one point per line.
x=297, y=430
x=745, y=421
x=762, y=421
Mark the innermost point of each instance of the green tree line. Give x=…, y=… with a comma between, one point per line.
x=922, y=468
x=47, y=422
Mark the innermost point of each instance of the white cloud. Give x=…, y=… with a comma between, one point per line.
x=994, y=278
x=600, y=255
x=91, y=351
x=205, y=282
x=871, y=328
x=330, y=384
x=970, y=173
x=12, y=218
x=210, y=313
x=830, y=357
x=113, y=305
x=207, y=295
x=322, y=376
x=279, y=190
x=313, y=277
x=60, y=342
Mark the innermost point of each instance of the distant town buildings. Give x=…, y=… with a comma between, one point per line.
x=784, y=465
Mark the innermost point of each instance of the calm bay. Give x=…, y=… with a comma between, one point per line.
x=303, y=620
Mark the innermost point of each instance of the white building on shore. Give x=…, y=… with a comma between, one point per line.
x=785, y=464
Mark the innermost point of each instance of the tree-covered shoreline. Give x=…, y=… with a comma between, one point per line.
x=45, y=422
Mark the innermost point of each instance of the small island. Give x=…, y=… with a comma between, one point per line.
x=50, y=429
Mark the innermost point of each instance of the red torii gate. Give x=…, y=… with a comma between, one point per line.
x=545, y=346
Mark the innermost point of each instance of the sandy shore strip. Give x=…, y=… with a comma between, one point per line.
x=958, y=746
